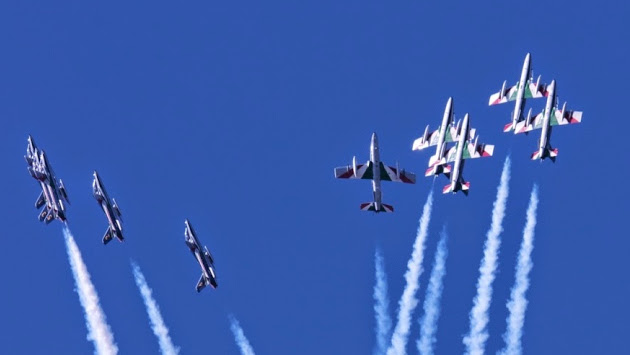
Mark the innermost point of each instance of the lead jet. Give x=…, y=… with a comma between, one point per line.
x=208, y=276
x=446, y=133
x=525, y=88
x=110, y=207
x=376, y=171
x=466, y=148
x=53, y=191
x=551, y=116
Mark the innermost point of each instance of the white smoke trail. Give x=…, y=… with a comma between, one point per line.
x=517, y=303
x=153, y=310
x=381, y=306
x=428, y=323
x=98, y=329
x=408, y=301
x=476, y=338
x=239, y=336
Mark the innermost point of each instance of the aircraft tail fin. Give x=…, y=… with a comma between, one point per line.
x=371, y=206
x=201, y=283
x=108, y=236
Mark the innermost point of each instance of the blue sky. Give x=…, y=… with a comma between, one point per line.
x=234, y=114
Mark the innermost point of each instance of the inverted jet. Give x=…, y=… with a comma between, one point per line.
x=466, y=148
x=53, y=191
x=111, y=209
x=446, y=133
x=551, y=116
x=376, y=171
x=525, y=88
x=206, y=262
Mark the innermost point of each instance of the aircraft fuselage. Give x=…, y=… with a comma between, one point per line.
x=459, y=153
x=376, y=165
x=545, y=133
x=447, y=119
x=520, y=94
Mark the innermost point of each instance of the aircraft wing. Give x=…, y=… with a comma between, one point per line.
x=474, y=150
x=427, y=140
x=562, y=117
x=535, y=91
x=558, y=117
x=501, y=97
x=533, y=123
x=390, y=173
x=364, y=171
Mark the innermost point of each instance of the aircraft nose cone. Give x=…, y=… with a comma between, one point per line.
x=374, y=138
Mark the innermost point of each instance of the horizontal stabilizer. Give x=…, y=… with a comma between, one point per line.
x=371, y=206
x=541, y=154
x=40, y=200
x=458, y=186
x=438, y=169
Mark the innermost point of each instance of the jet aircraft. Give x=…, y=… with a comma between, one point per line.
x=53, y=191
x=446, y=133
x=466, y=148
x=525, y=88
x=111, y=209
x=376, y=171
x=206, y=262
x=551, y=116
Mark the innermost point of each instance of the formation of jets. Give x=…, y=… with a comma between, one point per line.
x=464, y=146
x=54, y=194
x=465, y=140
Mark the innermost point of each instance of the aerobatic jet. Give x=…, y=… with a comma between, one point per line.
x=551, y=116
x=206, y=262
x=376, y=171
x=525, y=88
x=53, y=191
x=111, y=209
x=447, y=133
x=466, y=148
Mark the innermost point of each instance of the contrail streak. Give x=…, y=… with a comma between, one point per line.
x=428, y=323
x=239, y=336
x=517, y=303
x=157, y=323
x=476, y=338
x=408, y=301
x=98, y=329
x=381, y=306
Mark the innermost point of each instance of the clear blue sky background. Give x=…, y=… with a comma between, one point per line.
x=234, y=114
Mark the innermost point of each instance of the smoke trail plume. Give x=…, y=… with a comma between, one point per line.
x=98, y=329
x=408, y=301
x=157, y=323
x=476, y=338
x=517, y=303
x=428, y=323
x=239, y=336
x=381, y=306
